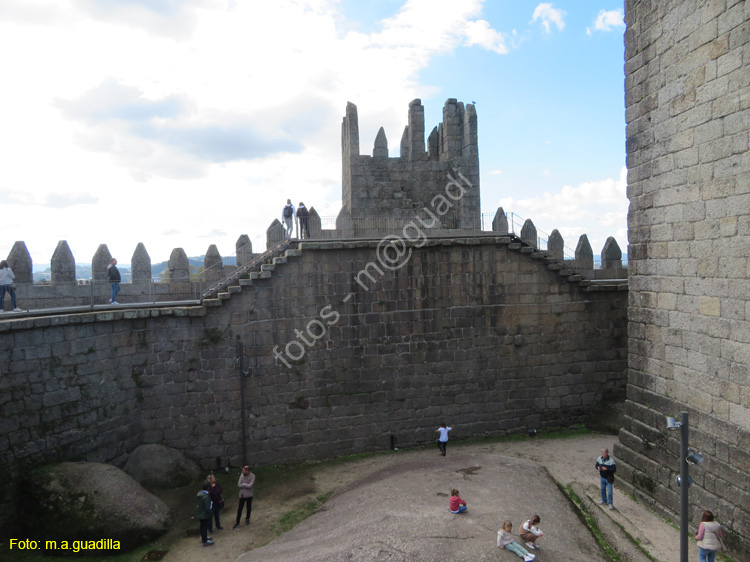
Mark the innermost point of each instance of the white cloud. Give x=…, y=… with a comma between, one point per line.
x=602, y=206
x=608, y=20
x=170, y=113
x=171, y=18
x=62, y=200
x=480, y=33
x=549, y=16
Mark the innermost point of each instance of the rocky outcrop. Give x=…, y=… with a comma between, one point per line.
x=157, y=466
x=83, y=501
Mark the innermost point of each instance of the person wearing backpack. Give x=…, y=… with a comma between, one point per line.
x=288, y=216
x=303, y=215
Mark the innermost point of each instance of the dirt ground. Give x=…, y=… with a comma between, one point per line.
x=567, y=460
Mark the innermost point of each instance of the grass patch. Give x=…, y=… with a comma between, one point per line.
x=278, y=474
x=590, y=523
x=291, y=518
x=549, y=433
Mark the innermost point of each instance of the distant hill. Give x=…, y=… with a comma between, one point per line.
x=83, y=270
x=158, y=268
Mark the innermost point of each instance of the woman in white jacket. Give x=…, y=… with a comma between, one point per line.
x=708, y=537
x=6, y=285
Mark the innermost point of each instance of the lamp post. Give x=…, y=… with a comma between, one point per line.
x=683, y=481
x=684, y=485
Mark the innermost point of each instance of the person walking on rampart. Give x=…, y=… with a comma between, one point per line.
x=6, y=285
x=606, y=467
x=303, y=215
x=245, y=484
x=113, y=274
x=288, y=216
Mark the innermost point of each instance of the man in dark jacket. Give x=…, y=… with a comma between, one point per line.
x=203, y=513
x=114, y=280
x=303, y=215
x=606, y=467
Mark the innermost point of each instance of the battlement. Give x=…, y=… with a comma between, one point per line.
x=396, y=188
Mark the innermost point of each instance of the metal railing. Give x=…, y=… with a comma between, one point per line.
x=92, y=294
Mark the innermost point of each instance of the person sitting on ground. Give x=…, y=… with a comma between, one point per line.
x=530, y=532
x=505, y=541
x=457, y=505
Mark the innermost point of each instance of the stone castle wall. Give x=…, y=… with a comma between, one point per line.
x=688, y=116
x=482, y=332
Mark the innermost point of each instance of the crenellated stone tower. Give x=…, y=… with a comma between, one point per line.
x=396, y=189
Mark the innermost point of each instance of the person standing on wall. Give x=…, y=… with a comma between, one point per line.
x=245, y=484
x=303, y=215
x=6, y=285
x=288, y=216
x=606, y=467
x=113, y=274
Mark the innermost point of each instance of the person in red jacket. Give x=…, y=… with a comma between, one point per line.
x=457, y=505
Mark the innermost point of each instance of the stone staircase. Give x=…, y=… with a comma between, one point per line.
x=261, y=267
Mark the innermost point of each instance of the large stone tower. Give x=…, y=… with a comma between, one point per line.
x=688, y=115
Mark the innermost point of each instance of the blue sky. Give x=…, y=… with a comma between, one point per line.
x=188, y=123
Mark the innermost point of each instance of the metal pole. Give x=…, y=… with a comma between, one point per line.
x=241, y=365
x=684, y=485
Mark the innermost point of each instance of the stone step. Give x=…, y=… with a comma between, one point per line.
x=267, y=267
x=235, y=289
x=246, y=282
x=211, y=302
x=278, y=260
x=224, y=296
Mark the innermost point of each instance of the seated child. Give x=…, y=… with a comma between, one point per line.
x=505, y=540
x=457, y=505
x=530, y=532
